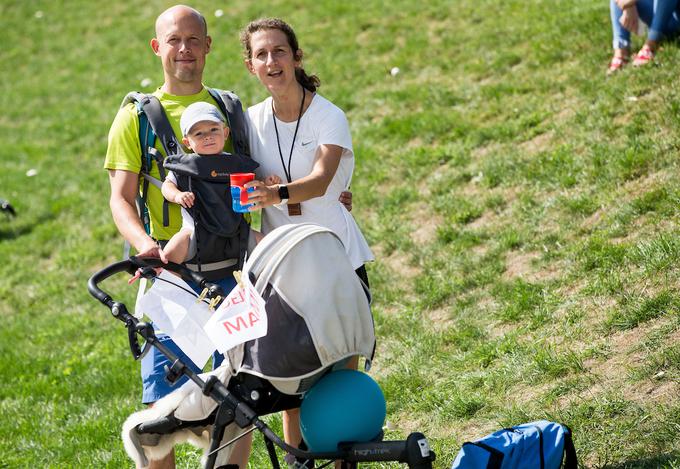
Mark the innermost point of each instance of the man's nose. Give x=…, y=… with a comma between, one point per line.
x=270, y=58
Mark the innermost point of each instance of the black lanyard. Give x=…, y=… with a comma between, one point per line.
x=278, y=143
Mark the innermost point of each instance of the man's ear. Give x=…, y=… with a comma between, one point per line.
x=208, y=42
x=226, y=132
x=154, y=45
x=185, y=141
x=249, y=65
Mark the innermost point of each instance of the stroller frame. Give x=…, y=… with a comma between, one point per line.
x=241, y=402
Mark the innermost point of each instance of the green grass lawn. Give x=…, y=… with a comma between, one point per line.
x=522, y=207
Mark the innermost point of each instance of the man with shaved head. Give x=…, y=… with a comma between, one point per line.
x=182, y=43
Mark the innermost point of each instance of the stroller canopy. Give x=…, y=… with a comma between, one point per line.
x=317, y=308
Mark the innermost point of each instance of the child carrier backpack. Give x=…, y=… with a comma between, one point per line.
x=153, y=123
x=221, y=234
x=535, y=445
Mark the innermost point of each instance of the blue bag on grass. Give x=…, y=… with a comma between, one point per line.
x=540, y=444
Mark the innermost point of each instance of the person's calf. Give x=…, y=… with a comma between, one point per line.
x=621, y=52
x=168, y=462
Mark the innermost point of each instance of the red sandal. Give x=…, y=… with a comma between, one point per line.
x=645, y=56
x=617, y=63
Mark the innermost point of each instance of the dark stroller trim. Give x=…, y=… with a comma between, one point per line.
x=246, y=397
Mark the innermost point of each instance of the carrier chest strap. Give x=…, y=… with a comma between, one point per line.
x=157, y=183
x=153, y=180
x=212, y=265
x=157, y=119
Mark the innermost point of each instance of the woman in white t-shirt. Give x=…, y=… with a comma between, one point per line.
x=305, y=140
x=301, y=137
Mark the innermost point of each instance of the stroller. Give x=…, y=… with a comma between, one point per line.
x=319, y=316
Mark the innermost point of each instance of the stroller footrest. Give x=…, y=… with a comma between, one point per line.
x=170, y=424
x=163, y=425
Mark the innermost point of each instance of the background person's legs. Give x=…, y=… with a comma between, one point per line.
x=662, y=18
x=620, y=35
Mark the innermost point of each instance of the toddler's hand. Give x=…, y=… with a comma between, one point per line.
x=271, y=180
x=185, y=199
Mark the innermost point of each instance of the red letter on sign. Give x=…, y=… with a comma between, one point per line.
x=237, y=298
x=239, y=322
x=253, y=318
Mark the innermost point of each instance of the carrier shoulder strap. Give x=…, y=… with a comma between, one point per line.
x=150, y=107
x=231, y=106
x=153, y=123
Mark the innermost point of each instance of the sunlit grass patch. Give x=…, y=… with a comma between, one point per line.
x=552, y=364
x=636, y=309
x=602, y=255
x=657, y=254
x=524, y=301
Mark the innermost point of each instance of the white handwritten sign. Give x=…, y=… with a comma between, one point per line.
x=241, y=317
x=177, y=313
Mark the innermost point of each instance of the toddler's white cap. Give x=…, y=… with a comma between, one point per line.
x=197, y=112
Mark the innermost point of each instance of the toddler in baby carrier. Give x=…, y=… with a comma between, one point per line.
x=220, y=236
x=317, y=318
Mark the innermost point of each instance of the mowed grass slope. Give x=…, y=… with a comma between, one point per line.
x=522, y=208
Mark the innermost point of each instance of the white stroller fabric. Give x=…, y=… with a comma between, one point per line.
x=318, y=313
x=305, y=268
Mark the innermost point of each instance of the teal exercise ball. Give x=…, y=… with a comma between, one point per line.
x=343, y=406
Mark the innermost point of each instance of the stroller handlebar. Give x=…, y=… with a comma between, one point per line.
x=106, y=272
x=147, y=264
